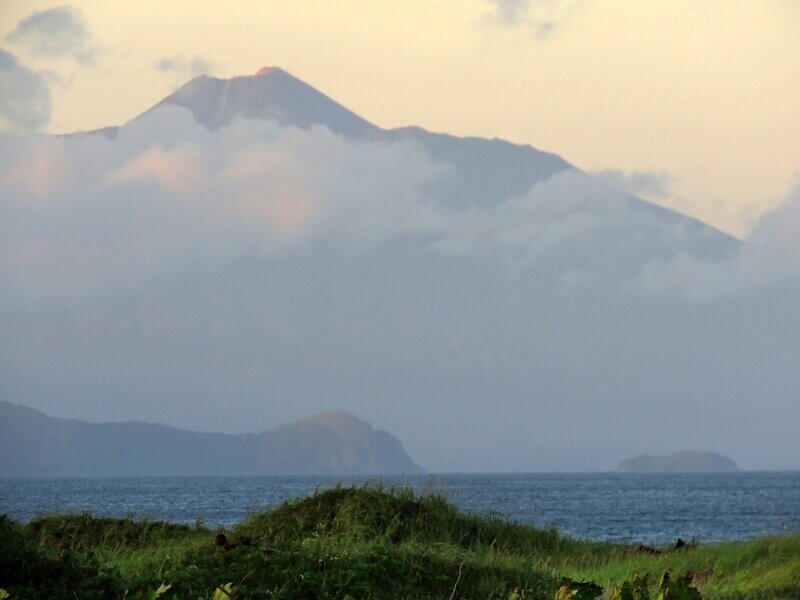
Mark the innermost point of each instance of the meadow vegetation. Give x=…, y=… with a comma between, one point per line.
x=372, y=542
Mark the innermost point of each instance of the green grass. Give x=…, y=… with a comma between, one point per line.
x=767, y=567
x=362, y=542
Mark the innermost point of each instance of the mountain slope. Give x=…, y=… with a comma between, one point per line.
x=33, y=444
x=272, y=93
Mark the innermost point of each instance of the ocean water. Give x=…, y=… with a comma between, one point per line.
x=650, y=508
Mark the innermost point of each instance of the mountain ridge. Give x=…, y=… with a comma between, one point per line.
x=34, y=444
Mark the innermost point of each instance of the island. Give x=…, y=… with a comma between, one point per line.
x=33, y=444
x=683, y=461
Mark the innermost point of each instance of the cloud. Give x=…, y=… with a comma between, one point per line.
x=508, y=13
x=653, y=184
x=522, y=229
x=24, y=96
x=769, y=256
x=86, y=215
x=540, y=17
x=183, y=66
x=54, y=33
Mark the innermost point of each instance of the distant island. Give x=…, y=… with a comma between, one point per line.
x=33, y=444
x=684, y=461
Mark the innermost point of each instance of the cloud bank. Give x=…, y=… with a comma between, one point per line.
x=84, y=215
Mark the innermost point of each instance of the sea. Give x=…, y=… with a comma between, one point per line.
x=654, y=509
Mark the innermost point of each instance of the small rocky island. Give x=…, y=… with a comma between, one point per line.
x=684, y=461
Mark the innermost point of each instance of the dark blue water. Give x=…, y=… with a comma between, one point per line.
x=655, y=509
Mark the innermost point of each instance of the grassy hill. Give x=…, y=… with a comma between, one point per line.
x=371, y=542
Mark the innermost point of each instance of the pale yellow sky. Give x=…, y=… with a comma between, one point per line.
x=708, y=92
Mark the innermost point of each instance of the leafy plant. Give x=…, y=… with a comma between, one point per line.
x=148, y=594
x=678, y=589
x=578, y=590
x=224, y=592
x=637, y=590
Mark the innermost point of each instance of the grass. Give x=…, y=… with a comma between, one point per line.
x=767, y=567
x=364, y=542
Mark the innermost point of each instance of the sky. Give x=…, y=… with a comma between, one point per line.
x=694, y=106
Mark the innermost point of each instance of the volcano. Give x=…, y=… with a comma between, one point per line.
x=271, y=93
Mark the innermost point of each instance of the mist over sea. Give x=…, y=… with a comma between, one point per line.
x=626, y=507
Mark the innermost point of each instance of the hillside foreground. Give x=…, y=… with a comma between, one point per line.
x=371, y=541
